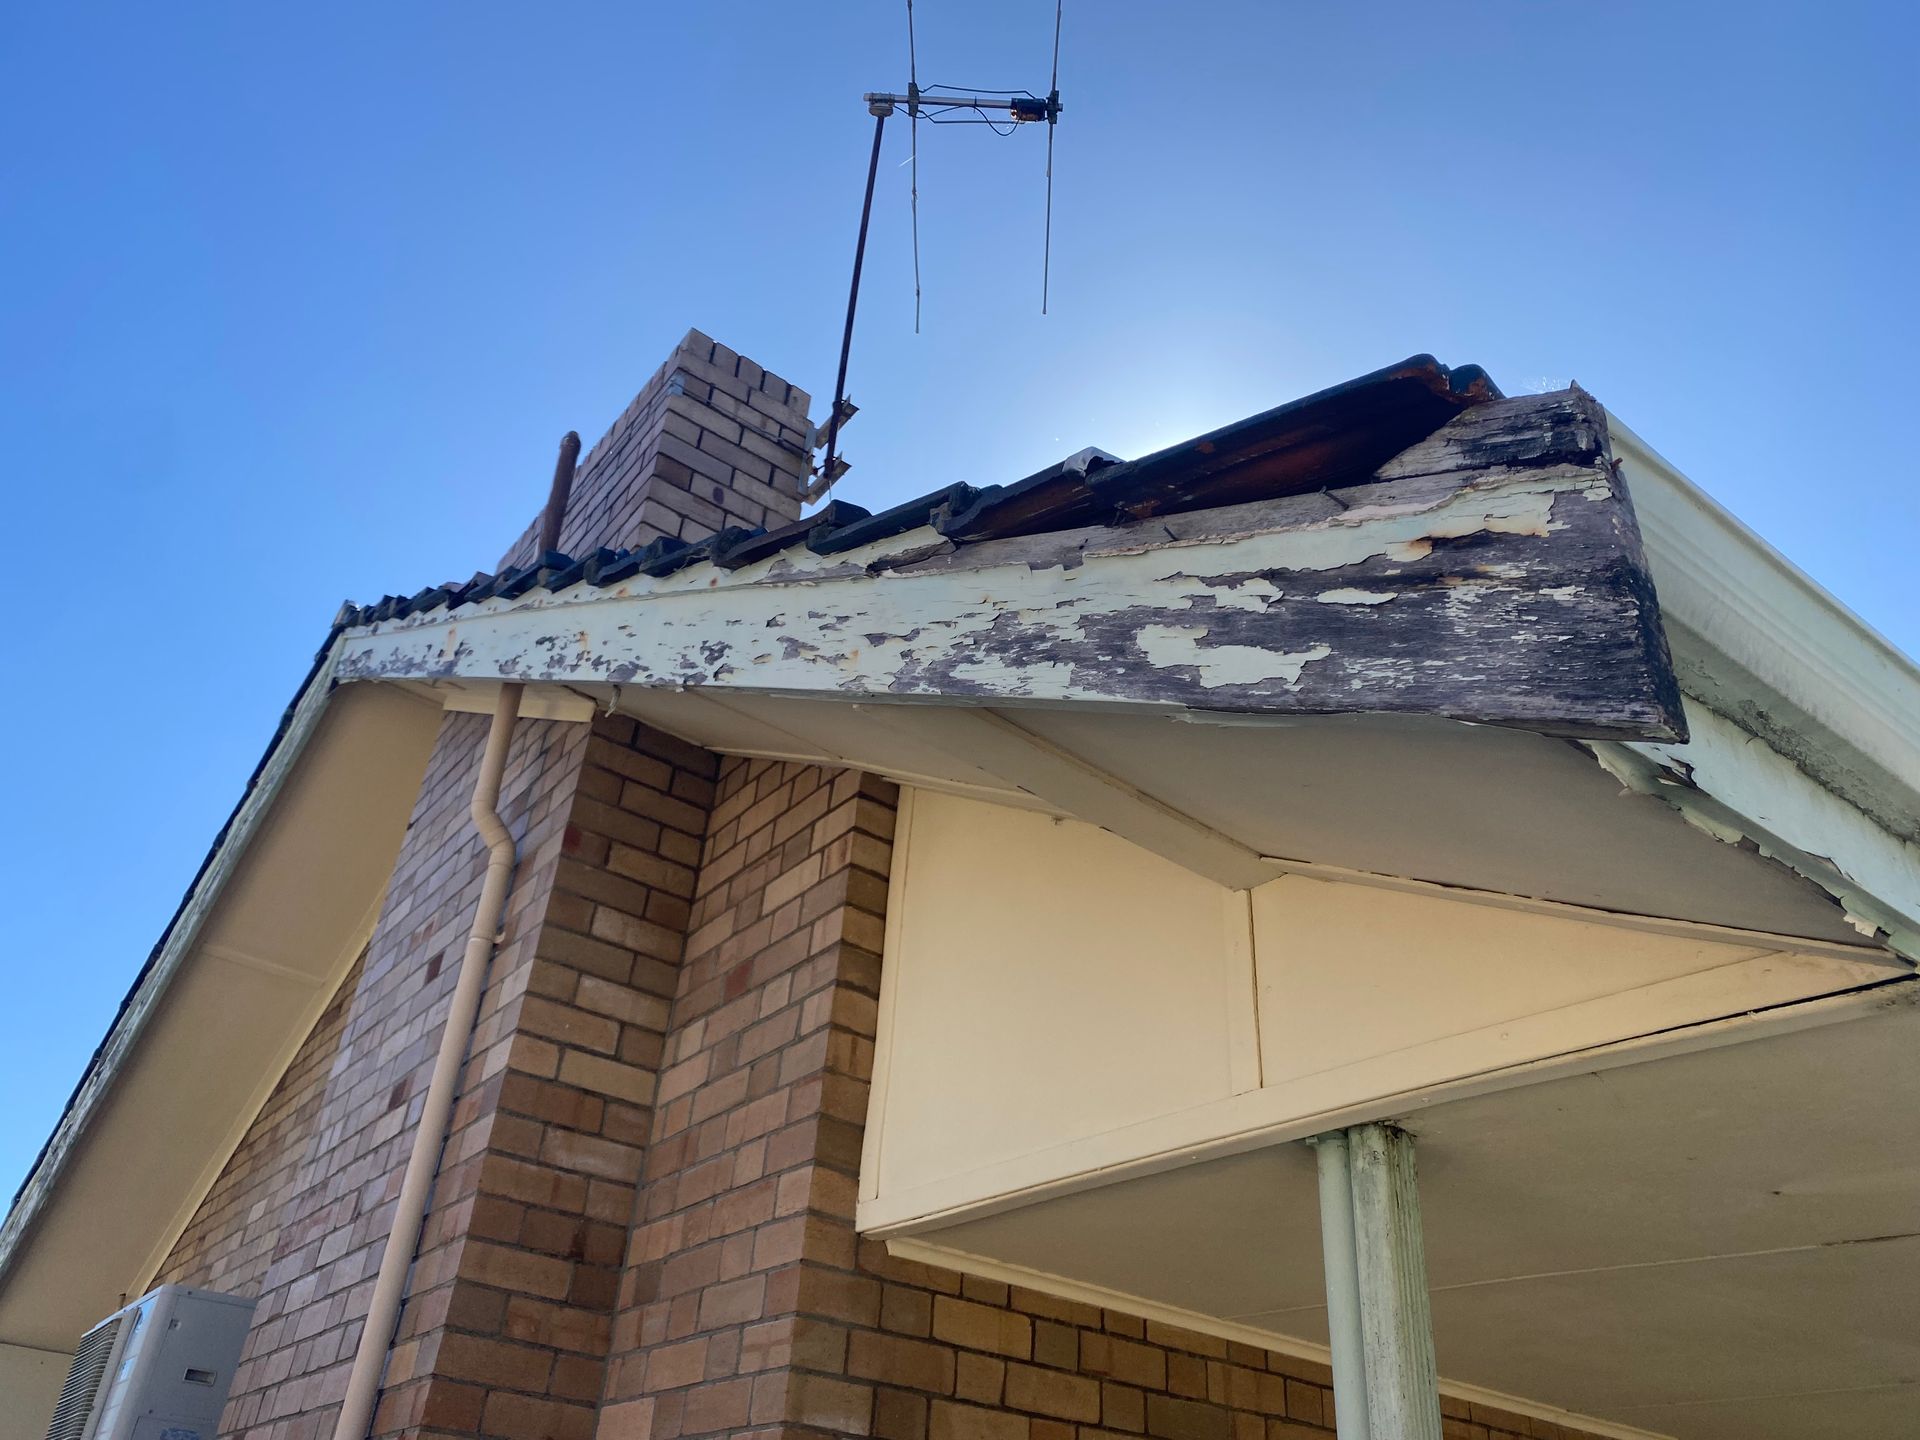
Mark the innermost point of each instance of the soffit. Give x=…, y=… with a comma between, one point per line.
x=1665, y=1245
x=287, y=912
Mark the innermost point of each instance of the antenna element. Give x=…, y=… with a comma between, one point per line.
x=939, y=104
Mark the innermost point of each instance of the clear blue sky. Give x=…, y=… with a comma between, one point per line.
x=299, y=298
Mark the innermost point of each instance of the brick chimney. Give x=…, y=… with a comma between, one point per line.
x=711, y=440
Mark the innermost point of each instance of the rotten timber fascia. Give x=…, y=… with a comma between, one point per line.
x=150, y=989
x=1735, y=787
x=1325, y=602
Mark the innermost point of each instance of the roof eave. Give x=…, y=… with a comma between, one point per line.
x=297, y=725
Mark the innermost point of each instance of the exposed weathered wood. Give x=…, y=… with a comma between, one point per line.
x=1462, y=584
x=1396, y=1321
x=1532, y=430
x=1333, y=436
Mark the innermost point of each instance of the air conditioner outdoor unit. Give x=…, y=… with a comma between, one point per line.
x=157, y=1369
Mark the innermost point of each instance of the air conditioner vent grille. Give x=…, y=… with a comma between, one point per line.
x=82, y=1389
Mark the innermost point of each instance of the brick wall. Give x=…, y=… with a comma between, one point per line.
x=711, y=440
x=744, y=1229
x=510, y=1300
x=505, y=1329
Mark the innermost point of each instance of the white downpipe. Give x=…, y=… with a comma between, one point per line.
x=403, y=1238
x=1396, y=1320
x=1343, y=1286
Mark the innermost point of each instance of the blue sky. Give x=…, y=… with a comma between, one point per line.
x=299, y=299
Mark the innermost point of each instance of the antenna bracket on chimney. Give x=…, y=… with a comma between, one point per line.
x=845, y=411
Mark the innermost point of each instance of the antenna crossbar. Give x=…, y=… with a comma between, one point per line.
x=1019, y=108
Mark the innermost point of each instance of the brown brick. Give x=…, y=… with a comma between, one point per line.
x=980, y=1378
x=899, y=1415
x=1122, y=1407
x=516, y=1270
x=1305, y=1402
x=510, y=1414
x=1174, y=1419
x=982, y=1327
x=1049, y=1392
x=911, y=1364
x=907, y=1311
x=672, y=1366
x=1057, y=1345
x=721, y=1405
x=733, y=1303
x=970, y=1422
x=839, y=1406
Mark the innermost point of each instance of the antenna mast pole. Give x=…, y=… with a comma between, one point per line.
x=1019, y=107
x=880, y=106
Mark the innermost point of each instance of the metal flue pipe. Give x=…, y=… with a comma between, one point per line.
x=559, y=495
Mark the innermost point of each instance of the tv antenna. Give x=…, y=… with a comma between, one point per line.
x=938, y=105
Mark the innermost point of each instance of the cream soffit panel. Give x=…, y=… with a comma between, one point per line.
x=1093, y=1019
x=1045, y=980
x=273, y=925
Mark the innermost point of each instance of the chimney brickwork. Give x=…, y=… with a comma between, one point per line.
x=711, y=441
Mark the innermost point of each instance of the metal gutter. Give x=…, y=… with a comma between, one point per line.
x=1758, y=640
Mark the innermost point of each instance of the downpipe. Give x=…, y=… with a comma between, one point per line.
x=429, y=1137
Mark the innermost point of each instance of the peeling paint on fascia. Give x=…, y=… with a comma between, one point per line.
x=1111, y=589
x=1521, y=506
x=1351, y=596
x=1659, y=771
x=1016, y=683
x=1081, y=616
x=1218, y=665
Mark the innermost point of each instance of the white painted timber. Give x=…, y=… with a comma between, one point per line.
x=279, y=914
x=1021, y=946
x=30, y=1382
x=1393, y=990
x=1734, y=786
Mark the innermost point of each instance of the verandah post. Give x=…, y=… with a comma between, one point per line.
x=1379, y=1318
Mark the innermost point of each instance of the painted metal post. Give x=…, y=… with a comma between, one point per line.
x=1343, y=1286
x=1396, y=1321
